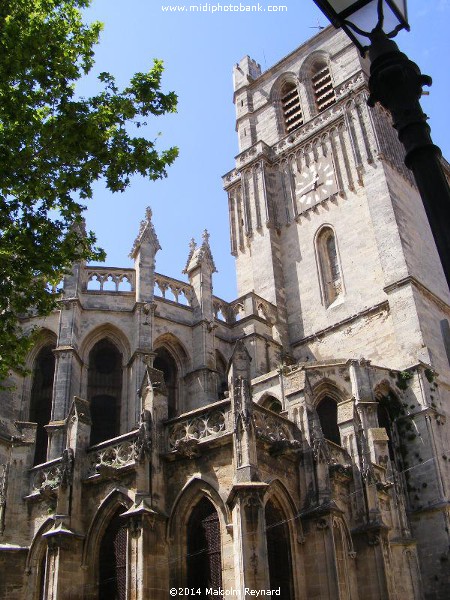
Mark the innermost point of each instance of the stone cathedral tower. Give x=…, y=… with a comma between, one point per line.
x=294, y=441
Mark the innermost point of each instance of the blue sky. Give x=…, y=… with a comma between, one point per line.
x=199, y=50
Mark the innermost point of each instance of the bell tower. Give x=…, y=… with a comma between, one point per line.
x=325, y=220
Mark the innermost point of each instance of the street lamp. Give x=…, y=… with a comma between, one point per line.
x=396, y=83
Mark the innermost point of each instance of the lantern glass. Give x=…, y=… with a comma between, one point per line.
x=363, y=14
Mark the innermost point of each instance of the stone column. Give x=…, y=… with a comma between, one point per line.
x=249, y=537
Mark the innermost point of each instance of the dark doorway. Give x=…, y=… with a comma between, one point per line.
x=278, y=551
x=204, y=562
x=113, y=560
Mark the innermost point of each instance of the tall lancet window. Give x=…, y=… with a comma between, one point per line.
x=41, y=399
x=327, y=413
x=330, y=270
x=204, y=559
x=292, y=110
x=105, y=390
x=278, y=551
x=322, y=84
x=165, y=362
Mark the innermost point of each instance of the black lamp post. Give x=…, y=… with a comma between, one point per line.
x=396, y=82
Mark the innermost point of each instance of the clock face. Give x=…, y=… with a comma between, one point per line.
x=315, y=183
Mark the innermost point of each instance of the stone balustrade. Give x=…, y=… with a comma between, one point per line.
x=109, y=280
x=272, y=427
x=199, y=425
x=249, y=305
x=180, y=291
x=46, y=477
x=112, y=455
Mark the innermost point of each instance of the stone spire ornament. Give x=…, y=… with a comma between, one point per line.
x=146, y=233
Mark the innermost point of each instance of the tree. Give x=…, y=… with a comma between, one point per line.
x=54, y=146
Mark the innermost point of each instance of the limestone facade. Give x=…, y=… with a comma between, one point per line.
x=294, y=439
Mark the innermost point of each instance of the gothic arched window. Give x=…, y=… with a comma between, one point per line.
x=322, y=85
x=272, y=404
x=278, y=551
x=112, y=567
x=41, y=399
x=165, y=362
x=330, y=271
x=222, y=383
x=105, y=390
x=291, y=107
x=327, y=413
x=387, y=410
x=204, y=559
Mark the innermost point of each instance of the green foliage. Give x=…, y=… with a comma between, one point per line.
x=402, y=379
x=54, y=146
x=430, y=375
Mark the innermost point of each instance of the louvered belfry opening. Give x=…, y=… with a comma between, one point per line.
x=323, y=88
x=105, y=390
x=292, y=110
x=41, y=400
x=112, y=583
x=204, y=559
x=278, y=551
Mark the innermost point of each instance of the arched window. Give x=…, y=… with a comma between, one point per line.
x=272, y=404
x=324, y=95
x=105, y=390
x=222, y=383
x=290, y=104
x=41, y=399
x=204, y=559
x=165, y=362
x=330, y=271
x=327, y=413
x=388, y=409
x=278, y=551
x=112, y=567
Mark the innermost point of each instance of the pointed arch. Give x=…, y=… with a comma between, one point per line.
x=105, y=331
x=285, y=97
x=104, y=390
x=194, y=492
x=116, y=500
x=41, y=391
x=279, y=549
x=326, y=398
x=173, y=360
x=271, y=402
x=328, y=265
x=316, y=74
x=36, y=562
x=388, y=409
x=112, y=559
x=194, y=489
x=343, y=547
x=204, y=556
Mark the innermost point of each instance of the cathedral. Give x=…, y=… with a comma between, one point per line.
x=291, y=443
